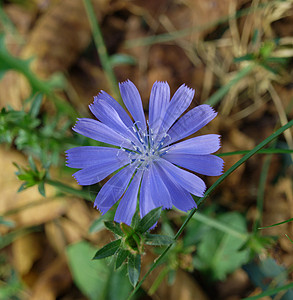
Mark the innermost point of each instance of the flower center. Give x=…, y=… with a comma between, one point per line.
x=145, y=149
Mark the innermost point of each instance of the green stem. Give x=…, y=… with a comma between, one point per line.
x=102, y=50
x=261, y=191
x=263, y=151
x=220, y=226
x=22, y=66
x=70, y=190
x=220, y=93
x=208, y=192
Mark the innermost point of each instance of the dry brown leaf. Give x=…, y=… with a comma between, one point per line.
x=53, y=281
x=26, y=250
x=59, y=36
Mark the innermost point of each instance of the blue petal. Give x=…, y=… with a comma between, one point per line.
x=119, y=109
x=209, y=165
x=93, y=174
x=159, y=191
x=132, y=101
x=191, y=122
x=146, y=203
x=190, y=182
x=113, y=189
x=109, y=116
x=200, y=145
x=159, y=100
x=86, y=156
x=181, y=199
x=100, y=132
x=127, y=205
x=179, y=103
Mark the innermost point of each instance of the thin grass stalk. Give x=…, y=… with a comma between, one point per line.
x=102, y=50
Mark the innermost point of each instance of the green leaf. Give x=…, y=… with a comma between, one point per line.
x=32, y=164
x=135, y=220
x=277, y=224
x=133, y=268
x=158, y=239
x=119, y=286
x=245, y=57
x=36, y=105
x=121, y=257
x=91, y=277
x=108, y=250
x=41, y=188
x=7, y=223
x=149, y=220
x=122, y=59
x=114, y=227
x=219, y=252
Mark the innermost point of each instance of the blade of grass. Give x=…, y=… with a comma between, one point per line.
x=221, y=92
x=102, y=50
x=277, y=224
x=271, y=292
x=261, y=191
x=208, y=192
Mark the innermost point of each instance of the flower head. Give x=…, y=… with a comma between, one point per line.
x=147, y=154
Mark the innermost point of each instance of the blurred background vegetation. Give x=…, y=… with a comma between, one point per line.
x=236, y=54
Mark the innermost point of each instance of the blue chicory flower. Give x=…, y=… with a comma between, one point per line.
x=148, y=155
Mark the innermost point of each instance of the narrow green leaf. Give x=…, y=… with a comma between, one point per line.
x=22, y=187
x=114, y=227
x=271, y=292
x=133, y=268
x=108, y=250
x=7, y=223
x=158, y=239
x=32, y=164
x=135, y=220
x=36, y=105
x=121, y=257
x=288, y=238
x=149, y=220
x=277, y=224
x=41, y=188
x=122, y=59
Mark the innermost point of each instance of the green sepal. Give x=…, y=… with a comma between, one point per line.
x=149, y=220
x=133, y=239
x=114, y=227
x=108, y=250
x=121, y=257
x=133, y=268
x=158, y=239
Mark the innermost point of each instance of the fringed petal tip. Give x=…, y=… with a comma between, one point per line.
x=75, y=179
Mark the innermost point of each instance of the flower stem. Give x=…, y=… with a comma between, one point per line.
x=70, y=190
x=102, y=50
x=207, y=193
